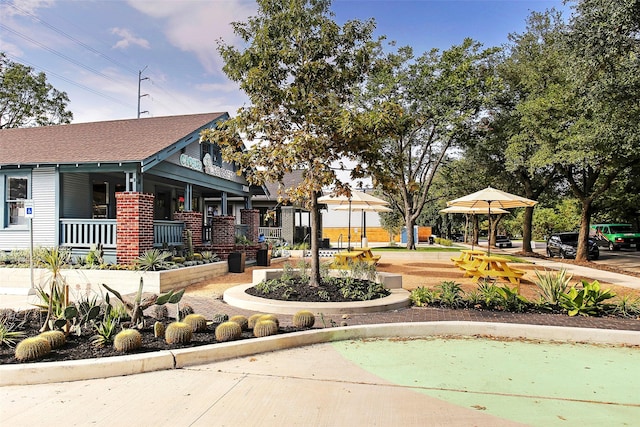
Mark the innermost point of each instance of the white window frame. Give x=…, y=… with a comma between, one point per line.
x=18, y=202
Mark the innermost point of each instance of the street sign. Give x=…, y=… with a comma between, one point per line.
x=28, y=208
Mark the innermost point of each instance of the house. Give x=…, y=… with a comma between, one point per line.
x=129, y=185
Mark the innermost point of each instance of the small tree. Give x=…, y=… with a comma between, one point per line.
x=299, y=69
x=26, y=99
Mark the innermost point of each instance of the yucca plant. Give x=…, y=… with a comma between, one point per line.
x=9, y=336
x=153, y=260
x=552, y=284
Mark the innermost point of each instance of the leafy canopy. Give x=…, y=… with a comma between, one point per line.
x=26, y=99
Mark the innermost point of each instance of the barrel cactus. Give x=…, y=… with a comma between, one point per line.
x=185, y=310
x=160, y=312
x=228, y=331
x=56, y=338
x=178, y=333
x=264, y=328
x=220, y=317
x=303, y=319
x=127, y=340
x=271, y=317
x=197, y=321
x=32, y=348
x=158, y=329
x=240, y=320
x=253, y=319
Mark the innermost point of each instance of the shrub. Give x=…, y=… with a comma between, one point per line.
x=450, y=294
x=588, y=301
x=422, y=296
x=552, y=284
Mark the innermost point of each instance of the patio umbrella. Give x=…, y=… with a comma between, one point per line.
x=357, y=199
x=364, y=210
x=472, y=212
x=491, y=197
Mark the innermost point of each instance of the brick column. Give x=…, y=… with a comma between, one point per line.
x=134, y=225
x=223, y=235
x=251, y=218
x=193, y=222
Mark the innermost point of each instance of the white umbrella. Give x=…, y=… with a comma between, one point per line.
x=472, y=212
x=364, y=210
x=491, y=197
x=358, y=198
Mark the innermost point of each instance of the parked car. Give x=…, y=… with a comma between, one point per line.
x=565, y=245
x=457, y=237
x=615, y=236
x=503, y=242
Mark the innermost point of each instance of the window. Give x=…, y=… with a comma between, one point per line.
x=17, y=191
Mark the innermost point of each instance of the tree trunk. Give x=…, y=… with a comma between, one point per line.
x=526, y=229
x=582, y=253
x=410, y=238
x=314, y=277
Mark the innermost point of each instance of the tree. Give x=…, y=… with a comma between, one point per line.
x=298, y=69
x=430, y=103
x=534, y=108
x=604, y=142
x=26, y=99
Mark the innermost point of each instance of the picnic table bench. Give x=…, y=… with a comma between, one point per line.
x=467, y=256
x=343, y=259
x=493, y=266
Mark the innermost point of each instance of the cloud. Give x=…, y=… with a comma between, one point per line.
x=196, y=26
x=128, y=39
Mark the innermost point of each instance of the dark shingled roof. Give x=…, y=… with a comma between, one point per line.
x=110, y=141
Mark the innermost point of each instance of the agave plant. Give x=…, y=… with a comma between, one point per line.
x=153, y=260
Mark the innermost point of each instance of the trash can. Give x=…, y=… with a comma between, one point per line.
x=264, y=257
x=236, y=262
x=431, y=240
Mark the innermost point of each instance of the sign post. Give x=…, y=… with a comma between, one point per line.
x=28, y=213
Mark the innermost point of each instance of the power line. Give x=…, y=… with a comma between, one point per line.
x=95, y=92
x=73, y=39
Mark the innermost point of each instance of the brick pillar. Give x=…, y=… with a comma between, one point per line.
x=251, y=218
x=134, y=225
x=193, y=222
x=223, y=230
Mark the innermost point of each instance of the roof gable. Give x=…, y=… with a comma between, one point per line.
x=133, y=140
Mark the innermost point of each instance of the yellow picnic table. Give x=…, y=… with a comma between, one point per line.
x=343, y=259
x=467, y=256
x=493, y=266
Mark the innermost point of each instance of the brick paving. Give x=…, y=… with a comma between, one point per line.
x=209, y=306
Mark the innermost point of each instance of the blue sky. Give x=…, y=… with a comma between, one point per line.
x=94, y=50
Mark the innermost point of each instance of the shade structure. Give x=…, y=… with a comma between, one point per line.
x=358, y=199
x=491, y=198
x=363, y=210
x=471, y=211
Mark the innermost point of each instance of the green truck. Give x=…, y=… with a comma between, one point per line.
x=615, y=236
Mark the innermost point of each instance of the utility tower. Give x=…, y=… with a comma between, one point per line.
x=140, y=79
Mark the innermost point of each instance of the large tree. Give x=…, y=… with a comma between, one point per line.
x=299, y=69
x=26, y=99
x=430, y=103
x=604, y=144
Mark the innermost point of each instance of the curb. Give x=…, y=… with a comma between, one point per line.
x=53, y=372
x=237, y=297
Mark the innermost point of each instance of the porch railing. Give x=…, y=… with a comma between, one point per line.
x=167, y=232
x=83, y=233
x=274, y=233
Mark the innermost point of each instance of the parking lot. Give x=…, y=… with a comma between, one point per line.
x=625, y=258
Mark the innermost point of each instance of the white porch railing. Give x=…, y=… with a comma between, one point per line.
x=83, y=233
x=271, y=232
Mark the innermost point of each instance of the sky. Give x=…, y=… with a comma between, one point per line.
x=101, y=52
